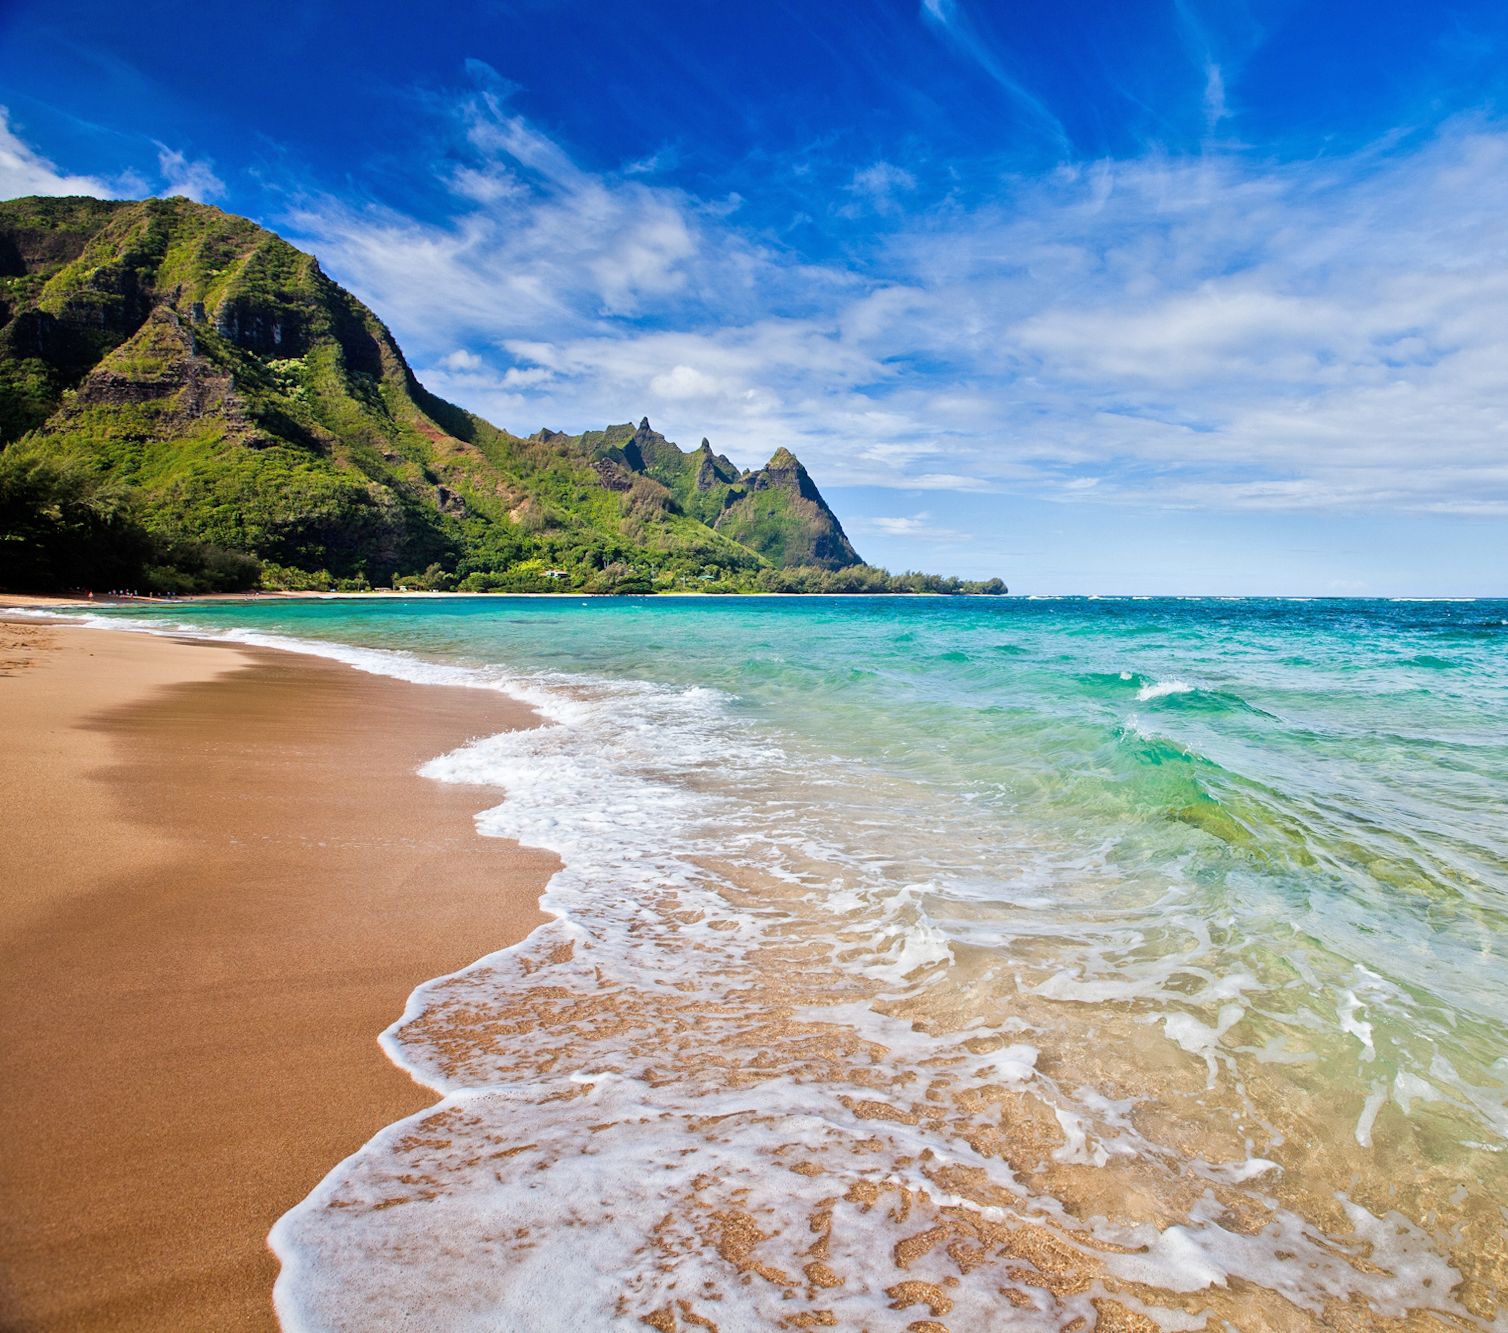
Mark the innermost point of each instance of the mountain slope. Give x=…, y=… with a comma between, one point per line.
x=242, y=402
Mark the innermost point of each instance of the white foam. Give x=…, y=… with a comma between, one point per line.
x=1346, y=1013
x=1410, y=1088
x=1160, y=689
x=1405, y=1270
x=1076, y=1145
x=1236, y=1173
x=1013, y=1064
x=1374, y=1103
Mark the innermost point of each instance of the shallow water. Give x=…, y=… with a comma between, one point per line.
x=928, y=963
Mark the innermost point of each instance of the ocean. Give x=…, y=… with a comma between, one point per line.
x=925, y=963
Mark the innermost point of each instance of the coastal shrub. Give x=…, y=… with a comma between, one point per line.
x=434, y=579
x=289, y=578
x=64, y=526
x=483, y=582
x=180, y=565
x=619, y=579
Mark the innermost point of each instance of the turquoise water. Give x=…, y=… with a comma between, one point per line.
x=1352, y=757
x=1220, y=887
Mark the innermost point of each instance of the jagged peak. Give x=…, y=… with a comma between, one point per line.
x=783, y=460
x=706, y=445
x=644, y=425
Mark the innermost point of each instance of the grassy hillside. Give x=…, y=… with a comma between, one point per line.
x=192, y=384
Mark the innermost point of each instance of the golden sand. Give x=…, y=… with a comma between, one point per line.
x=220, y=878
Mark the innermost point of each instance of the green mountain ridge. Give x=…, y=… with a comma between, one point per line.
x=187, y=402
x=775, y=510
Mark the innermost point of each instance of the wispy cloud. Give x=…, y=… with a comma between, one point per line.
x=914, y=527
x=1218, y=44
x=1215, y=109
x=537, y=246
x=953, y=22
x=1190, y=332
x=882, y=186
x=25, y=171
x=193, y=179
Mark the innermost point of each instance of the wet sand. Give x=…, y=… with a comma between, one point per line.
x=220, y=877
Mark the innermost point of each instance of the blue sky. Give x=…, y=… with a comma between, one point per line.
x=1142, y=297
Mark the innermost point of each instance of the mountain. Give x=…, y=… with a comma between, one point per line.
x=185, y=395
x=776, y=511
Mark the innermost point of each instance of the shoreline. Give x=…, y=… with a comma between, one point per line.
x=47, y=601
x=220, y=880
x=42, y=601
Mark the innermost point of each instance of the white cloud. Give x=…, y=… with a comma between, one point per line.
x=686, y=382
x=1215, y=109
x=538, y=246
x=1204, y=331
x=880, y=184
x=193, y=179
x=952, y=481
x=899, y=454
x=25, y=171
x=526, y=377
x=916, y=527
x=485, y=187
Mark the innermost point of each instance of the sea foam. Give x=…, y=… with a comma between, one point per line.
x=1160, y=689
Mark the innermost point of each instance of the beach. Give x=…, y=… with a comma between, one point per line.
x=220, y=879
x=947, y=964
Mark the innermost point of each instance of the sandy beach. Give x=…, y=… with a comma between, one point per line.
x=220, y=878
